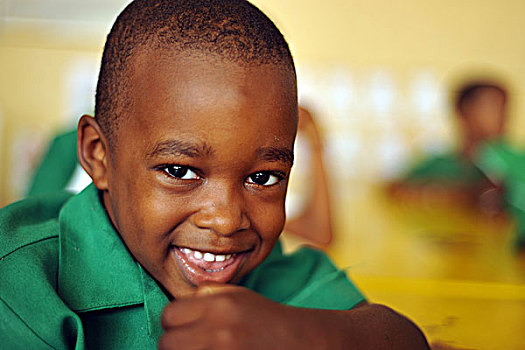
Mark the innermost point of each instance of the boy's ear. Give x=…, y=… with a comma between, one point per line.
x=93, y=151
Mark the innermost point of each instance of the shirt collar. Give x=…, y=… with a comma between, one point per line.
x=96, y=271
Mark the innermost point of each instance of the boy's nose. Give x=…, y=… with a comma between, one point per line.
x=222, y=212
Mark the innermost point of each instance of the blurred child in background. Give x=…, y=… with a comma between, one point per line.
x=485, y=172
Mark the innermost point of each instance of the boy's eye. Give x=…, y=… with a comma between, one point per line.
x=264, y=178
x=180, y=172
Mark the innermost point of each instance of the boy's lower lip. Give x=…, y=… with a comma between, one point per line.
x=198, y=271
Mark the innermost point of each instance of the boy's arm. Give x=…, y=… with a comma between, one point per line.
x=367, y=326
x=232, y=317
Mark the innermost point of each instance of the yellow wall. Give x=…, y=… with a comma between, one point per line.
x=32, y=106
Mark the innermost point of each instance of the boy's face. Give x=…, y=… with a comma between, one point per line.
x=485, y=116
x=197, y=181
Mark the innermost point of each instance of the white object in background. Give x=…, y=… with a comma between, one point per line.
x=382, y=94
x=79, y=180
x=79, y=86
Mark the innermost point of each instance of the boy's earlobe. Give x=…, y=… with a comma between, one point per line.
x=92, y=149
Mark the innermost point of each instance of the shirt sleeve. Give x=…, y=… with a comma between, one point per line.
x=306, y=278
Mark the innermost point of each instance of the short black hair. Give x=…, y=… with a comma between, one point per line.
x=470, y=91
x=234, y=30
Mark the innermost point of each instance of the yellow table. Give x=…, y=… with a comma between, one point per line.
x=449, y=269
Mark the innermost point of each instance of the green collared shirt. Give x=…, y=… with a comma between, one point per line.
x=67, y=281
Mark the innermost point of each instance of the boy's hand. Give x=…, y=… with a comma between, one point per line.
x=228, y=317
x=232, y=317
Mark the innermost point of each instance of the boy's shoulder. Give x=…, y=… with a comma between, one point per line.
x=305, y=278
x=54, y=273
x=30, y=307
x=30, y=221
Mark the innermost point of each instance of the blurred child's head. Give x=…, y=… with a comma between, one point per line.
x=192, y=141
x=482, y=109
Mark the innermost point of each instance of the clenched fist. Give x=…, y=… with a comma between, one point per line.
x=230, y=317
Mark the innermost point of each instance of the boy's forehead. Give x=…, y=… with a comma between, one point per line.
x=196, y=75
x=163, y=82
x=175, y=62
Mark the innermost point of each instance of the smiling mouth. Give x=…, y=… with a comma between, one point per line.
x=200, y=266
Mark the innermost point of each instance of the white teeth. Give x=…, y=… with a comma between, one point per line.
x=209, y=257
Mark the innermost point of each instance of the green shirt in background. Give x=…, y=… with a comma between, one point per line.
x=57, y=166
x=495, y=161
x=68, y=281
x=506, y=165
x=446, y=169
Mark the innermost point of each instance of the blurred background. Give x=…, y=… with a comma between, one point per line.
x=378, y=77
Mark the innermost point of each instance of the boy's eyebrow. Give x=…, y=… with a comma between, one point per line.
x=178, y=147
x=195, y=150
x=276, y=154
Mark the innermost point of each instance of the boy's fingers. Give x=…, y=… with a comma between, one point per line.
x=187, y=338
x=186, y=311
x=215, y=288
x=182, y=312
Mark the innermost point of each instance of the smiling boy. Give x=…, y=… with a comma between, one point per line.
x=190, y=152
